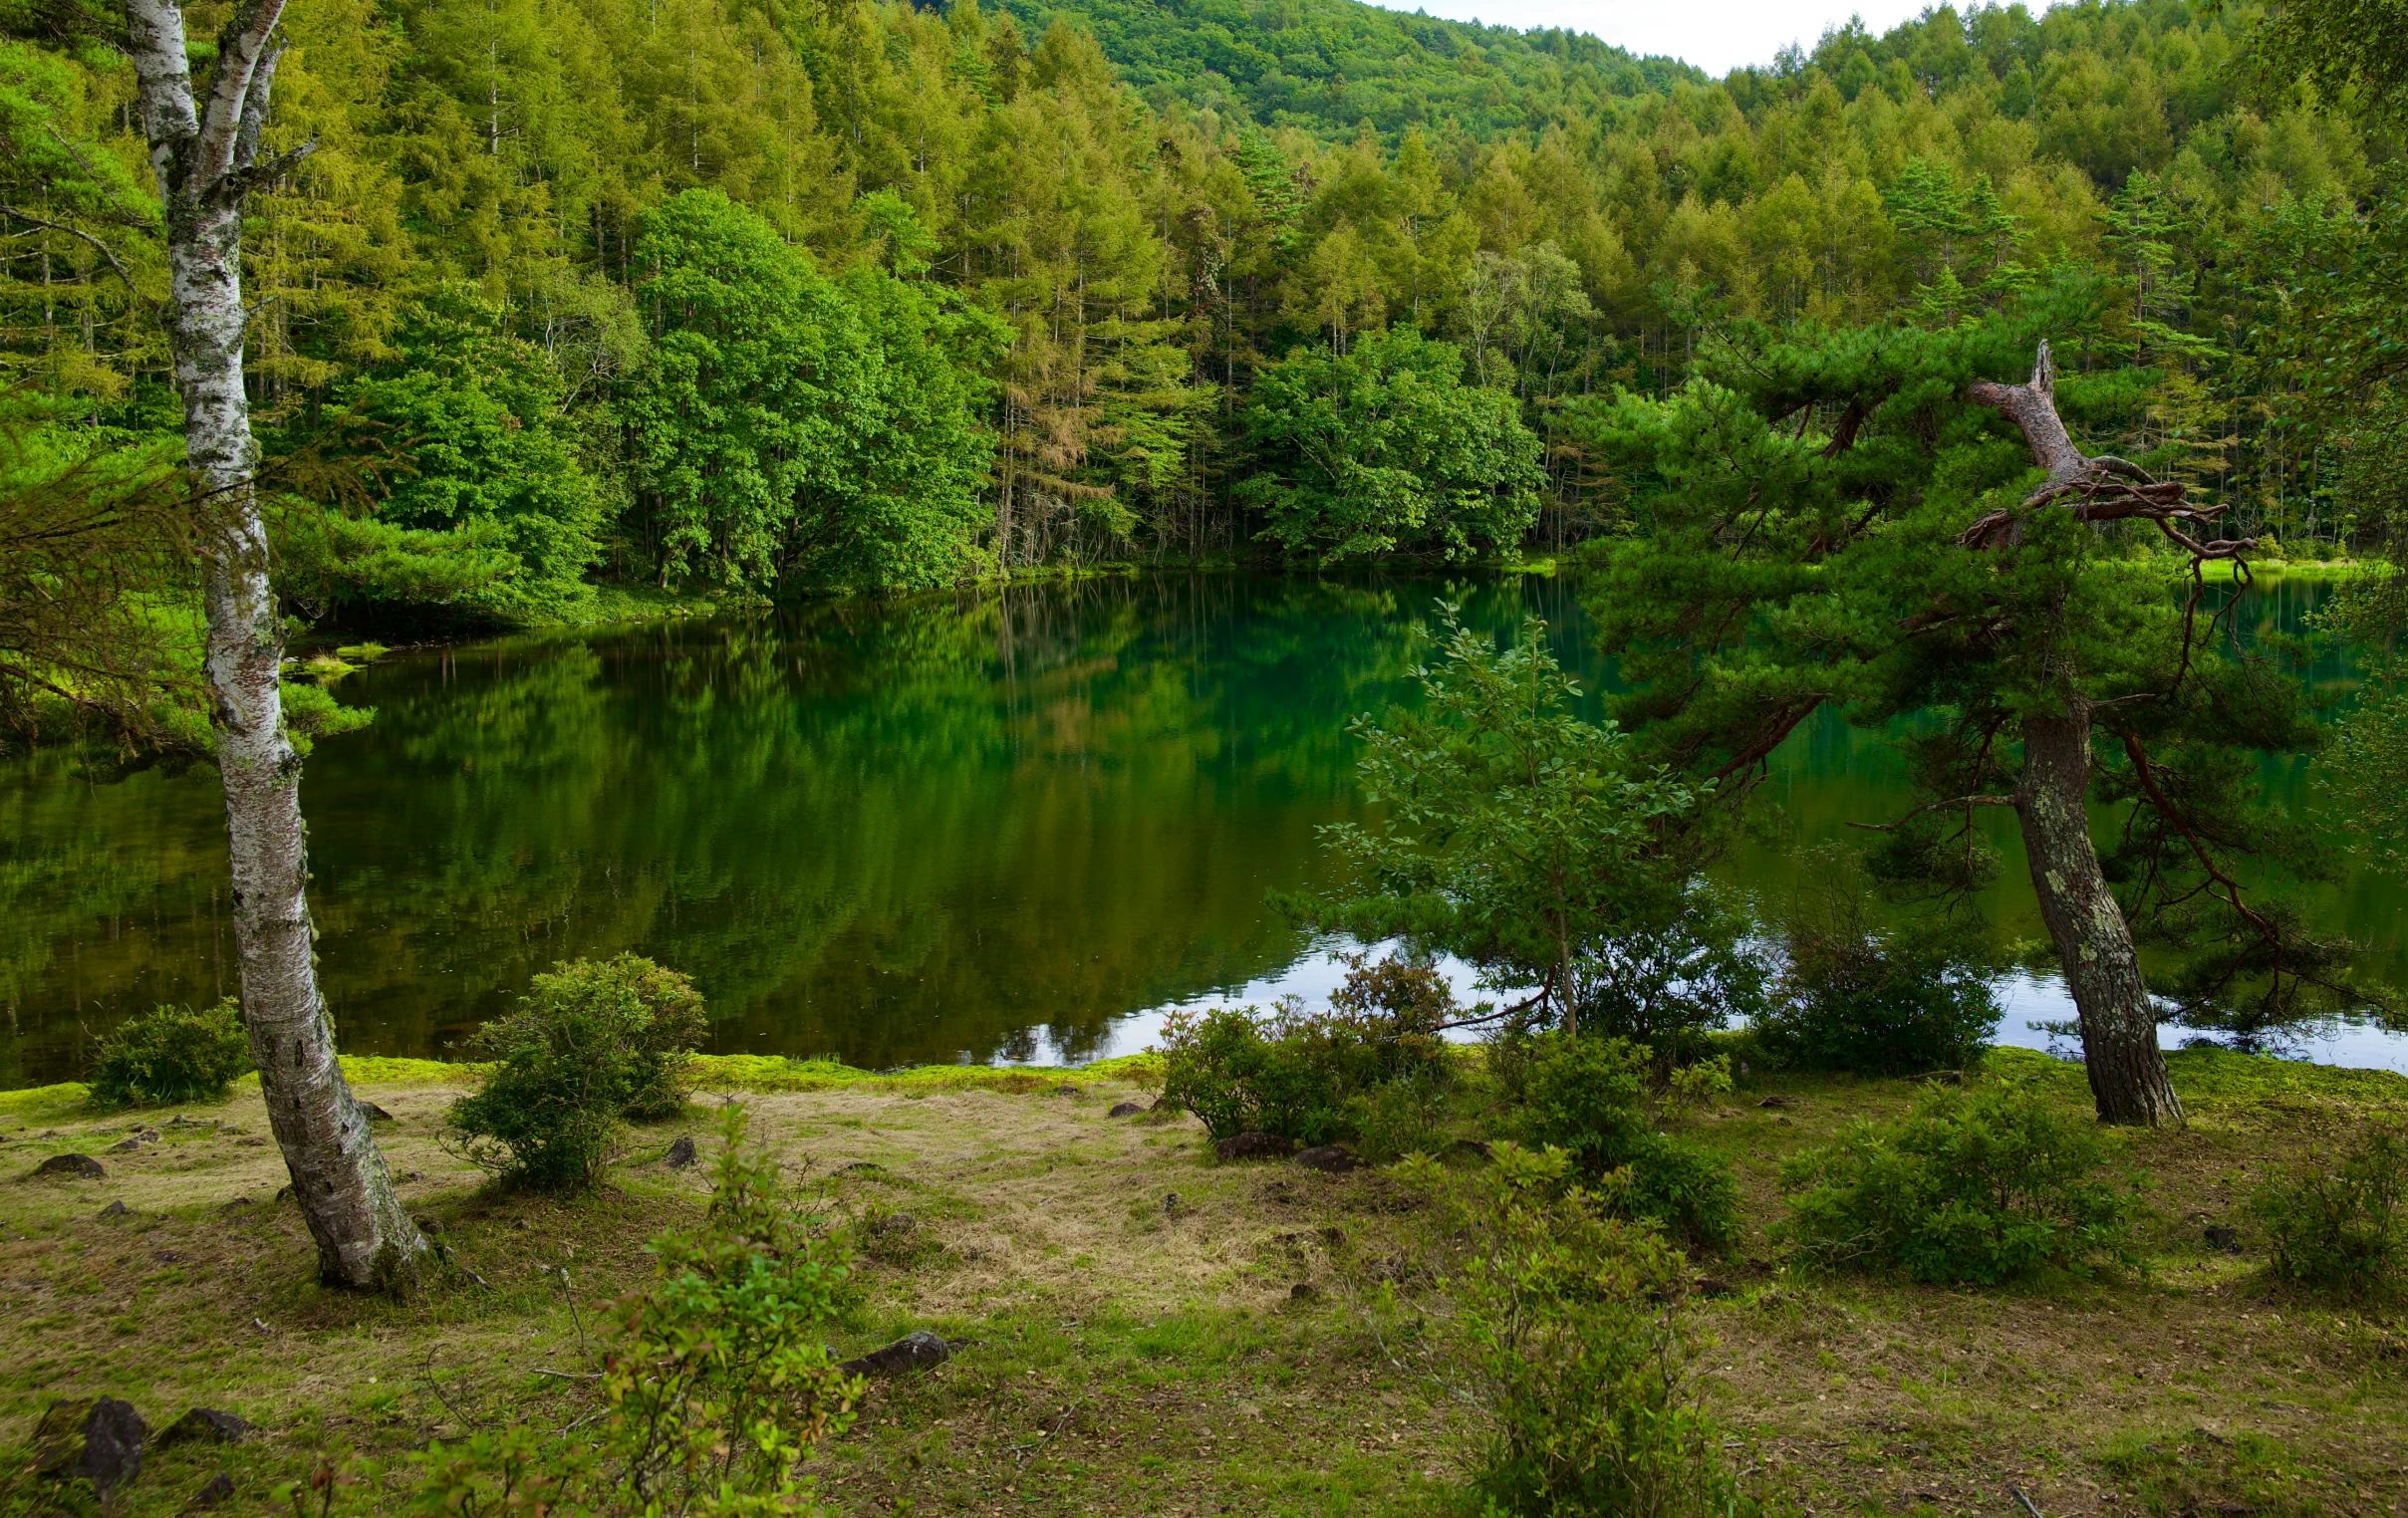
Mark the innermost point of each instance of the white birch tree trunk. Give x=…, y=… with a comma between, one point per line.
x=205, y=156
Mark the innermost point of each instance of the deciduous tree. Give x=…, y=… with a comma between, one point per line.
x=208, y=152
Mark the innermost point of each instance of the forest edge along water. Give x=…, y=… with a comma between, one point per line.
x=1003, y=825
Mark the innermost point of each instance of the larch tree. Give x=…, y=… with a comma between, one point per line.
x=206, y=154
x=1863, y=520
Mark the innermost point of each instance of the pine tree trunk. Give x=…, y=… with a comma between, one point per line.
x=205, y=163
x=2102, y=969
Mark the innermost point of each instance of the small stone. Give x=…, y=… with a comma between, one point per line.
x=206, y=1425
x=213, y=1491
x=916, y=1350
x=1171, y=1202
x=70, y=1168
x=2224, y=1238
x=519, y=1224
x=373, y=1113
x=1126, y=1110
x=1300, y=1291
x=1330, y=1159
x=125, y=1147
x=99, y=1441
x=1253, y=1146
x=681, y=1153
x=117, y=1209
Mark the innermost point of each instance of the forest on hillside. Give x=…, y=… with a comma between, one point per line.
x=779, y=297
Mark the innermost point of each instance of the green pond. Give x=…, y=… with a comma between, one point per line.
x=1001, y=826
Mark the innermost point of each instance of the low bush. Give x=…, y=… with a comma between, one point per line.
x=1895, y=1002
x=1671, y=984
x=2338, y=1223
x=173, y=1054
x=1566, y=1314
x=1977, y=1187
x=1402, y=1116
x=1298, y=1073
x=714, y=1386
x=1590, y=1097
x=591, y=1044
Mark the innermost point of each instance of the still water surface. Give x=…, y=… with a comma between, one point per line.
x=996, y=827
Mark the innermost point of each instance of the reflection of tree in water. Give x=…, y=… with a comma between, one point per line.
x=888, y=831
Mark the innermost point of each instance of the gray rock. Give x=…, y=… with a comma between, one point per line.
x=1330, y=1159
x=1254, y=1146
x=1126, y=1110
x=213, y=1491
x=99, y=1441
x=681, y=1153
x=70, y=1168
x=206, y=1425
x=117, y=1209
x=916, y=1350
x=125, y=1147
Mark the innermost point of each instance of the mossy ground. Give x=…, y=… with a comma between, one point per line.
x=1123, y=1353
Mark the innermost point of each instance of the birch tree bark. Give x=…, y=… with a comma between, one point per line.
x=205, y=154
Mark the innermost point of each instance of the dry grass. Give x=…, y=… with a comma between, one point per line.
x=1129, y=1355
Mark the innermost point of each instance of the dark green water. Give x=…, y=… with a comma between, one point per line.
x=982, y=827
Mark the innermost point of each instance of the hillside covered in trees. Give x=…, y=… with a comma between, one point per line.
x=784, y=298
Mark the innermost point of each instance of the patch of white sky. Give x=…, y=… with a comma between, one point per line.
x=1714, y=35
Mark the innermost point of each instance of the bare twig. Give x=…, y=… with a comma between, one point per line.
x=89, y=240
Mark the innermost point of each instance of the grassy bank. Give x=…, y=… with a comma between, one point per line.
x=1133, y=1338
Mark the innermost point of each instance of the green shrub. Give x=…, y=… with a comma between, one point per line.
x=590, y=1046
x=713, y=1386
x=1881, y=1003
x=173, y=1054
x=1402, y=1117
x=1979, y=1187
x=2337, y=1224
x=1567, y=1318
x=1296, y=1073
x=1589, y=1097
x=1668, y=984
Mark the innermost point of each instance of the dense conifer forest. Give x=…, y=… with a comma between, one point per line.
x=784, y=299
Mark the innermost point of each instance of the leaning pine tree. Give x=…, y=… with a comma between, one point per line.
x=206, y=155
x=1865, y=520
